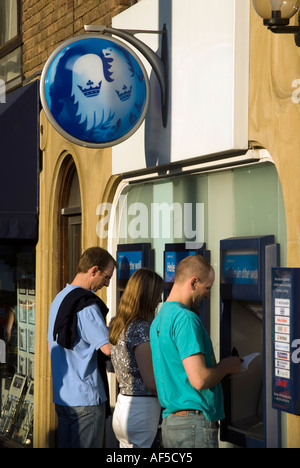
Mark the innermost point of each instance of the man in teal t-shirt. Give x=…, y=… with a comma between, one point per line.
x=187, y=376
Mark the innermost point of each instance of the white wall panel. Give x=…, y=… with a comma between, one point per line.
x=208, y=79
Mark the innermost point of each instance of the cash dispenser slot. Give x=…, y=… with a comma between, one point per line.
x=246, y=389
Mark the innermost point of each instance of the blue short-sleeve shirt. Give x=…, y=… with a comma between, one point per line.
x=75, y=375
x=177, y=333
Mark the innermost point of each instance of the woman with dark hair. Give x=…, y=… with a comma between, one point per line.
x=137, y=412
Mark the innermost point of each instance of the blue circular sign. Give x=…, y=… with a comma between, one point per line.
x=95, y=91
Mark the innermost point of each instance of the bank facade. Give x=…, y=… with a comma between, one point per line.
x=221, y=163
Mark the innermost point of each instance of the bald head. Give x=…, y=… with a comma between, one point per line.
x=193, y=265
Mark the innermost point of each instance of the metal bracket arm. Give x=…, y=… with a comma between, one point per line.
x=158, y=64
x=285, y=29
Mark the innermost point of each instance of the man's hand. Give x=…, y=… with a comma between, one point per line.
x=202, y=377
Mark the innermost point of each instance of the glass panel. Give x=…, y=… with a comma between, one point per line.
x=71, y=224
x=11, y=68
x=17, y=335
x=134, y=214
x=74, y=236
x=164, y=212
x=8, y=20
x=258, y=204
x=74, y=197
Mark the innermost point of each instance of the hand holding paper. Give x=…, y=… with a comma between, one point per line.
x=247, y=360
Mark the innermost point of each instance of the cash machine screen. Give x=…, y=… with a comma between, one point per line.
x=171, y=261
x=240, y=267
x=130, y=258
x=128, y=263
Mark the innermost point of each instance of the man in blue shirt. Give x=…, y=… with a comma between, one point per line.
x=187, y=376
x=77, y=330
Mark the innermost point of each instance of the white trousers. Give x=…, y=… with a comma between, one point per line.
x=135, y=421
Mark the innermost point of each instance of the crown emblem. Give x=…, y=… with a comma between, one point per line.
x=91, y=90
x=126, y=94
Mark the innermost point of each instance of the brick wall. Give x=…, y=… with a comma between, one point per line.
x=47, y=23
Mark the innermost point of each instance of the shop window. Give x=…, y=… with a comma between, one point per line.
x=10, y=43
x=69, y=225
x=17, y=336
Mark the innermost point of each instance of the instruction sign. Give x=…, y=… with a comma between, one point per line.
x=286, y=339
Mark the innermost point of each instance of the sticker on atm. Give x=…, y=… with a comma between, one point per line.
x=282, y=320
x=284, y=311
x=282, y=302
x=282, y=398
x=282, y=355
x=282, y=346
x=282, y=338
x=282, y=329
x=279, y=364
x=282, y=373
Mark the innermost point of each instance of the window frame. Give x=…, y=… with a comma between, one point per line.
x=16, y=41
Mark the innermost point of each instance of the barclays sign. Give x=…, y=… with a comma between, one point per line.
x=95, y=91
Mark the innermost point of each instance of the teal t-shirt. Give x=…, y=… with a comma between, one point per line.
x=177, y=333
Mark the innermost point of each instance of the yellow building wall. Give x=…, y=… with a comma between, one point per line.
x=96, y=185
x=274, y=122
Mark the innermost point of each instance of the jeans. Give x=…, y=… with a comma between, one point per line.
x=192, y=431
x=81, y=426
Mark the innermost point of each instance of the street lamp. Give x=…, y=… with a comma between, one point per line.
x=276, y=12
x=276, y=16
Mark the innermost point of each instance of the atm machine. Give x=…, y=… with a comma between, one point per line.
x=173, y=254
x=245, y=329
x=130, y=258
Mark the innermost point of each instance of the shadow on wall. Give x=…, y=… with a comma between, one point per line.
x=158, y=138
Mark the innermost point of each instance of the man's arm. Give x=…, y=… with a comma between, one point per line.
x=202, y=377
x=105, y=349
